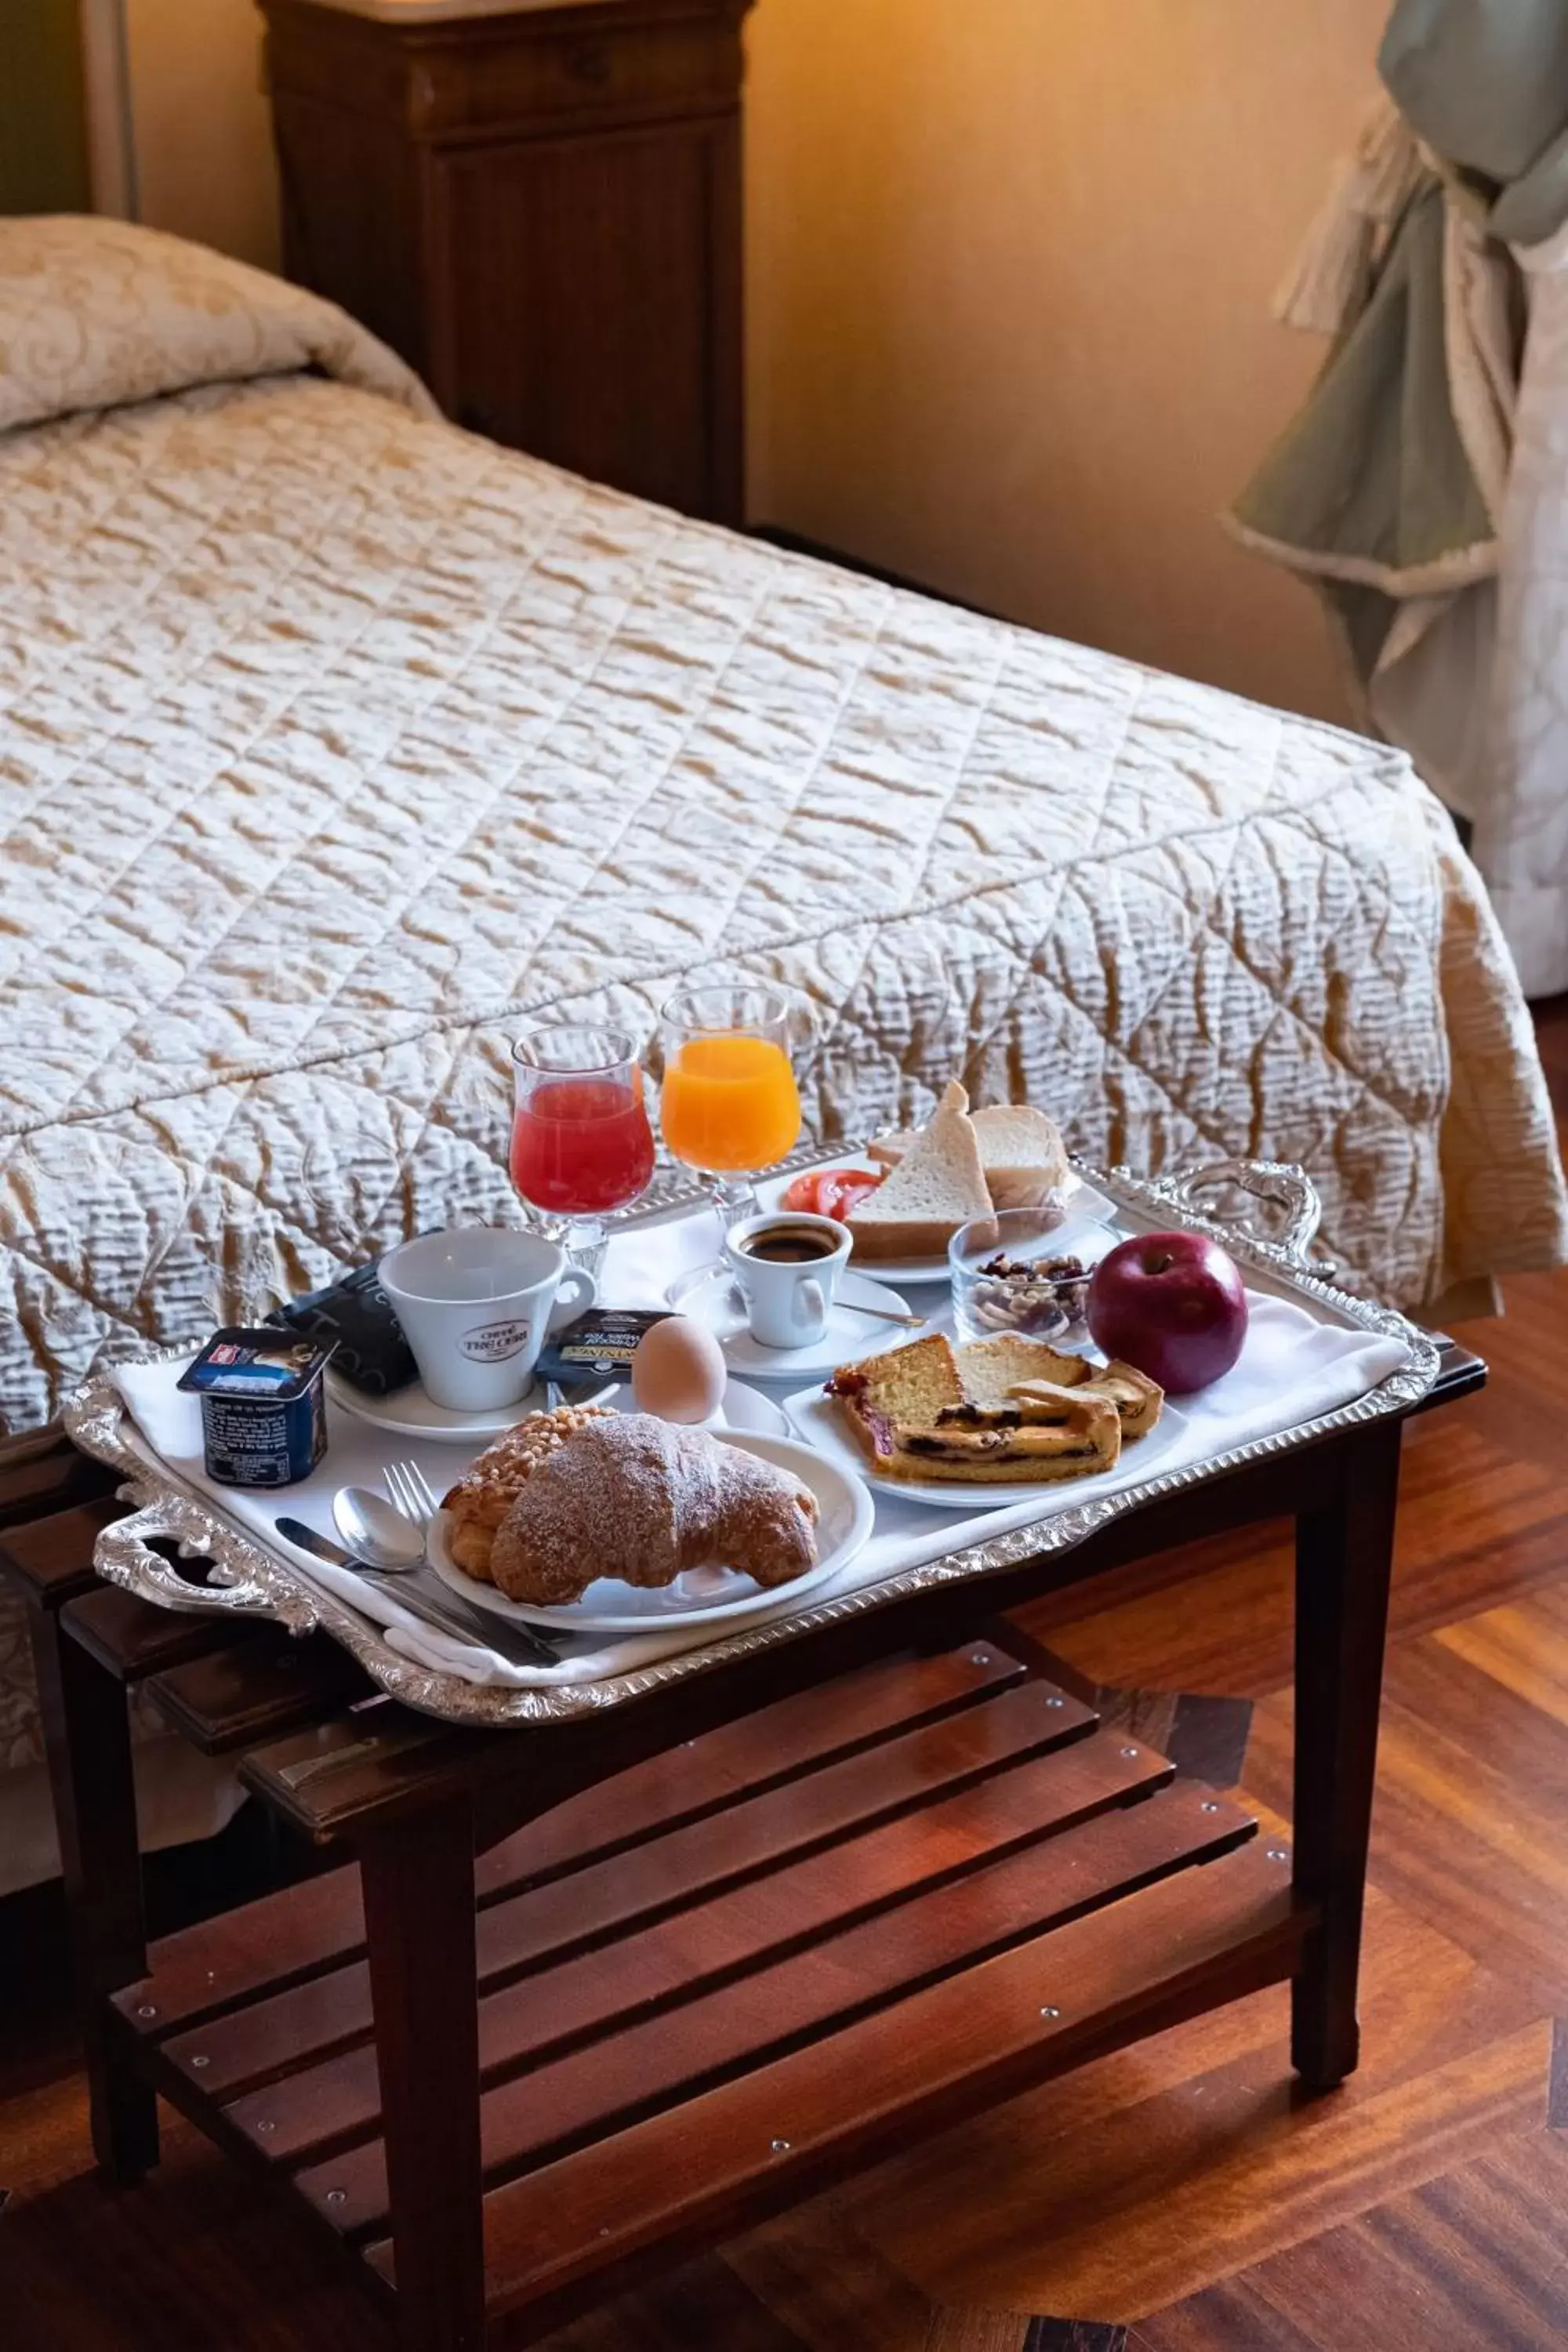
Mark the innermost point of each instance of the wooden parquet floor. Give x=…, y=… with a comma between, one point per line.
x=1176, y=2197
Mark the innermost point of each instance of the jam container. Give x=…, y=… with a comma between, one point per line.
x=264, y=1416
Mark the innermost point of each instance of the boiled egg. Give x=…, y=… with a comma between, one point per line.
x=679, y=1372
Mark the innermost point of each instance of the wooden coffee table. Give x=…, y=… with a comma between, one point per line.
x=601, y=1991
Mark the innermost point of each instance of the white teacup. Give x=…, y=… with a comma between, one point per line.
x=476, y=1305
x=789, y=1295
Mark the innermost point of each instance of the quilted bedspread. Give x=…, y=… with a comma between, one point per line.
x=333, y=741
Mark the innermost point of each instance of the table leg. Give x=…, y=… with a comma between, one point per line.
x=87, y=1736
x=1344, y=1556
x=418, y=1882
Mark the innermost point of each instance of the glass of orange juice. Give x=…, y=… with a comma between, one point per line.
x=729, y=1105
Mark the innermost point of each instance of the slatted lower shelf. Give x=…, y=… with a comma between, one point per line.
x=700, y=1990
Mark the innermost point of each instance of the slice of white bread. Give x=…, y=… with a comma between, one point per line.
x=937, y=1186
x=1024, y=1159
x=889, y=1150
x=1021, y=1151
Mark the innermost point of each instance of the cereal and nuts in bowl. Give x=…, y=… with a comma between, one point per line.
x=1010, y=1274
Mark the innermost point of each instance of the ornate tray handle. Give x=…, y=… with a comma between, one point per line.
x=1271, y=1201
x=242, y=1582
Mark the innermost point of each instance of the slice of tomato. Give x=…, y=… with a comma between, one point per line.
x=805, y=1194
x=829, y=1191
x=851, y=1187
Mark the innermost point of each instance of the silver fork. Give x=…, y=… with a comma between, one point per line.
x=413, y=1500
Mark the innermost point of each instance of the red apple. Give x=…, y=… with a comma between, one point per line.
x=1173, y=1306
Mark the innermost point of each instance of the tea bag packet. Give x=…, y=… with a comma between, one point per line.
x=354, y=1317
x=599, y=1345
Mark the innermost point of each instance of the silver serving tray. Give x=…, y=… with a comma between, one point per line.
x=1269, y=1223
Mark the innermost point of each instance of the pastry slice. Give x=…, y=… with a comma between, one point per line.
x=991, y=1368
x=1079, y=1437
x=1029, y=1373
x=1138, y=1399
x=937, y=1186
x=886, y=1395
x=912, y=1418
x=1135, y=1400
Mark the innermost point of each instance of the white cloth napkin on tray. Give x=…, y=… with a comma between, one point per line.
x=1293, y=1369
x=357, y=1455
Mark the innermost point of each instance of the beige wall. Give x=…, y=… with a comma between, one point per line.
x=204, y=140
x=1010, y=271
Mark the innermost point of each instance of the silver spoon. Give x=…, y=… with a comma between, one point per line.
x=376, y=1531
x=378, y=1535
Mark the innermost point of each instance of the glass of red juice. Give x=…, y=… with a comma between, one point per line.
x=581, y=1143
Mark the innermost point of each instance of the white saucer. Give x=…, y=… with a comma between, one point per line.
x=709, y=1596
x=709, y=1297
x=741, y=1409
x=409, y=1412
x=1087, y=1214
x=816, y=1419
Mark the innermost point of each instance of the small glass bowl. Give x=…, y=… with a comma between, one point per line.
x=1011, y=1273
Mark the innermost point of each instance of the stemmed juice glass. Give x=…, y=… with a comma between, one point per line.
x=581, y=1143
x=730, y=1106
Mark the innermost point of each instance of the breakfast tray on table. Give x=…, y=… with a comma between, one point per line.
x=754, y=1913
x=913, y=1551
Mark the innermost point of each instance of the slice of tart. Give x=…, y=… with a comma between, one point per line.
x=886, y=1395
x=1139, y=1400
x=1077, y=1436
x=1028, y=1372
x=991, y=1368
x=912, y=1418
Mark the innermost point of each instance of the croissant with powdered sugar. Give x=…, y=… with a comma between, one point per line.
x=634, y=1498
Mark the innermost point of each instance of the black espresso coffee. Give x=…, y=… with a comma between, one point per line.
x=788, y=1245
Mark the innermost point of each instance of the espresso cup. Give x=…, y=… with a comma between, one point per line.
x=788, y=1269
x=476, y=1305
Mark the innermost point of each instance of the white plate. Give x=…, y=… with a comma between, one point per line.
x=1086, y=1210
x=816, y=1419
x=709, y=1297
x=709, y=1596
x=409, y=1412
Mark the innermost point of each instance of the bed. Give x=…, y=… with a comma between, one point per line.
x=335, y=741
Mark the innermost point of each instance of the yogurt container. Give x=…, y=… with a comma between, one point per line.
x=264, y=1414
